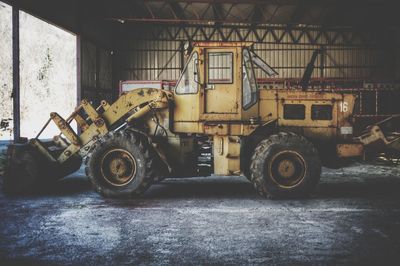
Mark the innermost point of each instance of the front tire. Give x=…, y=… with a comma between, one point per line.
x=122, y=165
x=285, y=165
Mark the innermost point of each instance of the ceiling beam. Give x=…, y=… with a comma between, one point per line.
x=257, y=16
x=299, y=12
x=177, y=10
x=218, y=13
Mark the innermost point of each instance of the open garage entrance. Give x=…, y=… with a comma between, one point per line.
x=48, y=69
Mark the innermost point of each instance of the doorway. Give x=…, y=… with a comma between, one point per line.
x=48, y=69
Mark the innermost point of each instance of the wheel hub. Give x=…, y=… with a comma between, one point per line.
x=118, y=167
x=287, y=168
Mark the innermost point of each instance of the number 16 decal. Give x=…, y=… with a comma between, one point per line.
x=344, y=106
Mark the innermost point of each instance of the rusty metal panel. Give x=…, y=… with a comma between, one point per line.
x=88, y=64
x=105, y=70
x=349, y=150
x=96, y=73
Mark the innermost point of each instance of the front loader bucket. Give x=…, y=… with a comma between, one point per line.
x=22, y=169
x=27, y=169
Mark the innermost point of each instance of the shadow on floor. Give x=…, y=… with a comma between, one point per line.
x=235, y=187
x=384, y=187
x=64, y=187
x=204, y=188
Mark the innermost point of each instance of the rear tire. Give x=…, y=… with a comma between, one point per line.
x=285, y=165
x=123, y=164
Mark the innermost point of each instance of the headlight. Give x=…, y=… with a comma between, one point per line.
x=346, y=130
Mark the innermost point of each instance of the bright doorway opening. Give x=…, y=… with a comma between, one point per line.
x=48, y=71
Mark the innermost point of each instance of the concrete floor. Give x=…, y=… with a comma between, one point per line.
x=354, y=218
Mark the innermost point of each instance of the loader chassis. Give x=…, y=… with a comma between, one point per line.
x=275, y=137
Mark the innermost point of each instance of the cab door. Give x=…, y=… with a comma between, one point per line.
x=221, y=94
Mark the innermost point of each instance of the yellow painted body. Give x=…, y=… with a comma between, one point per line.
x=217, y=108
x=272, y=104
x=226, y=155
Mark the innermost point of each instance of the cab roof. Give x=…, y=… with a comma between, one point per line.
x=222, y=44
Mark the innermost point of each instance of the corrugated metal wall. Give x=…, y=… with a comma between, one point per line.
x=96, y=73
x=149, y=60
x=142, y=57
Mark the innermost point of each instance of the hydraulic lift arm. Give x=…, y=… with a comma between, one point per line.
x=98, y=122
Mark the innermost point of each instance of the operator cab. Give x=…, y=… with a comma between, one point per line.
x=219, y=82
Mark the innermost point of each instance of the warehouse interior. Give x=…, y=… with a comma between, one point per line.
x=356, y=45
x=143, y=40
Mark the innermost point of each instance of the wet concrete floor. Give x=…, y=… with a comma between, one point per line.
x=354, y=218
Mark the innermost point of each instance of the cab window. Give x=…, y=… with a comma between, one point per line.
x=220, y=68
x=187, y=82
x=321, y=112
x=249, y=81
x=294, y=111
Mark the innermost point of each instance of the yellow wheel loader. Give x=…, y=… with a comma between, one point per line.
x=277, y=138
